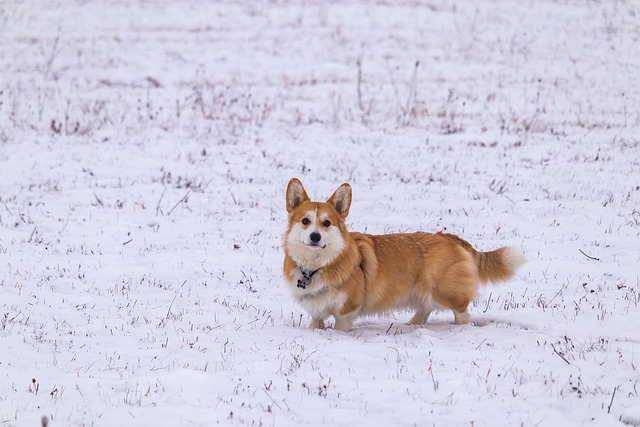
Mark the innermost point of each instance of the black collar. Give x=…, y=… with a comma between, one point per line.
x=306, y=278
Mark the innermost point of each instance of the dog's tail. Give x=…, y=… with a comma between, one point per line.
x=499, y=265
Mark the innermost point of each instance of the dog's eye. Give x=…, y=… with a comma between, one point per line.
x=326, y=223
x=306, y=221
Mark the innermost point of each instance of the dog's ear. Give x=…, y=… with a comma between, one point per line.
x=295, y=194
x=341, y=200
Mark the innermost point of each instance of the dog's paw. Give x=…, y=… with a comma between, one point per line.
x=316, y=324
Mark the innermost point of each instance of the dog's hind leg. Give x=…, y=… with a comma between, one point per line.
x=461, y=318
x=457, y=288
x=420, y=318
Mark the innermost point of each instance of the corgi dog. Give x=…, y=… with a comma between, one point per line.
x=334, y=272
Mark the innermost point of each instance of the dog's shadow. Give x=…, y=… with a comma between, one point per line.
x=373, y=328
x=482, y=321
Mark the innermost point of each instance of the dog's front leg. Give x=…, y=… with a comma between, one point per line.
x=316, y=323
x=346, y=314
x=344, y=321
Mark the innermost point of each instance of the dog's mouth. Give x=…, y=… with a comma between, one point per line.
x=315, y=245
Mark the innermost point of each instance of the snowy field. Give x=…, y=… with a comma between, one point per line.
x=144, y=152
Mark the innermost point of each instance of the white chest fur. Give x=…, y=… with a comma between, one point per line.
x=318, y=299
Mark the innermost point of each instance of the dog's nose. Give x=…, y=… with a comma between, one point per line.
x=315, y=237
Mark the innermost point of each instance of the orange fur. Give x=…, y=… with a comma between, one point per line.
x=362, y=274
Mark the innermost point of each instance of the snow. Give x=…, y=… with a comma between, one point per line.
x=145, y=148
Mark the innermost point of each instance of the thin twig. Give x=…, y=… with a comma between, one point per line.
x=269, y=396
x=395, y=89
x=173, y=300
x=7, y=208
x=32, y=234
x=160, y=200
x=481, y=344
x=590, y=257
x=179, y=201
x=171, y=305
x=561, y=356
x=433, y=379
x=412, y=93
x=558, y=293
x=612, y=396
x=54, y=54
x=359, y=83
x=488, y=303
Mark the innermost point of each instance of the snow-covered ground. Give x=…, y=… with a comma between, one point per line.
x=144, y=153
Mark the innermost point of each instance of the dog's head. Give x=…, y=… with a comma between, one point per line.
x=316, y=233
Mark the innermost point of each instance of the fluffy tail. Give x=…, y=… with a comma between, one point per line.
x=499, y=265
